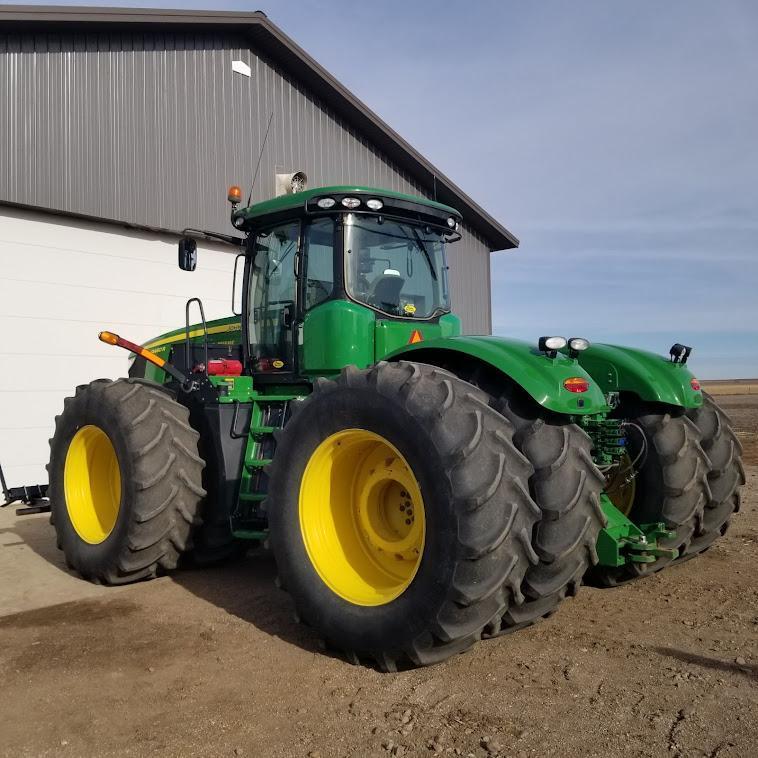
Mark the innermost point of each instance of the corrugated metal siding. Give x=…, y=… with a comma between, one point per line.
x=151, y=128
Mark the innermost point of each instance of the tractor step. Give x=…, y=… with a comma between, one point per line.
x=258, y=463
x=250, y=534
x=253, y=497
x=263, y=429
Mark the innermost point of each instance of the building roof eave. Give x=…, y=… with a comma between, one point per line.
x=297, y=62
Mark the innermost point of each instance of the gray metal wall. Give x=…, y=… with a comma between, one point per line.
x=151, y=128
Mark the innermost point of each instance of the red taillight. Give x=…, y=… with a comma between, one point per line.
x=224, y=367
x=695, y=384
x=576, y=384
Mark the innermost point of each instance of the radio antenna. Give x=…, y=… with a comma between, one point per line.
x=263, y=147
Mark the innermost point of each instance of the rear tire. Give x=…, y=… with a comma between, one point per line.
x=671, y=487
x=566, y=486
x=478, y=513
x=155, y=480
x=725, y=474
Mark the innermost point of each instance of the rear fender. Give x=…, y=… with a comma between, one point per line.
x=540, y=377
x=649, y=376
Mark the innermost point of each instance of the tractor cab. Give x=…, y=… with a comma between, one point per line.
x=341, y=275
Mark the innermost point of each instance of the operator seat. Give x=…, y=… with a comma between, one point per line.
x=384, y=291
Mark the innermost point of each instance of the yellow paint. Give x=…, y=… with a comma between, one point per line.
x=232, y=327
x=92, y=484
x=362, y=517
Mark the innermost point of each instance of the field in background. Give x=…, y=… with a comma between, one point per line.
x=730, y=386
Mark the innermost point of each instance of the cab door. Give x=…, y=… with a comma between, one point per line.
x=273, y=298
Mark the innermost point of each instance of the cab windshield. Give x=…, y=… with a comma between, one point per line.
x=396, y=267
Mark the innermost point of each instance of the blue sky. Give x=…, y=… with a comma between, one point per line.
x=618, y=141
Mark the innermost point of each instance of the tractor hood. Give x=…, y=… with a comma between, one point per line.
x=541, y=377
x=651, y=377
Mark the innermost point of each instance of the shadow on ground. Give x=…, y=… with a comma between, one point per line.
x=243, y=587
x=745, y=669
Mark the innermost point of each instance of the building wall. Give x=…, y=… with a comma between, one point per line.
x=151, y=128
x=61, y=282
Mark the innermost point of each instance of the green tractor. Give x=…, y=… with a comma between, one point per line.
x=419, y=489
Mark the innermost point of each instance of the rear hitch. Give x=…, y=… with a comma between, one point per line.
x=622, y=541
x=34, y=497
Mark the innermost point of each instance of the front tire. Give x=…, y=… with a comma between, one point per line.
x=463, y=474
x=725, y=474
x=125, y=480
x=671, y=485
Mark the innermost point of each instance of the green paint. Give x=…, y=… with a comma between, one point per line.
x=234, y=389
x=221, y=331
x=540, y=376
x=608, y=441
x=649, y=376
x=622, y=542
x=394, y=335
x=250, y=496
x=298, y=200
x=336, y=334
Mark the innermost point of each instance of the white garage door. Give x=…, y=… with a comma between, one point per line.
x=61, y=282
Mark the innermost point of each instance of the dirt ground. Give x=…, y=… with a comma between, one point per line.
x=211, y=663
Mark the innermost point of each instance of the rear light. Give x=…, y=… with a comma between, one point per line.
x=224, y=367
x=695, y=384
x=576, y=384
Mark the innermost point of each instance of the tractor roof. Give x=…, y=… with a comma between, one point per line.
x=300, y=199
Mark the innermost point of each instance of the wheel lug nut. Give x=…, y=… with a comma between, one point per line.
x=402, y=507
x=408, y=521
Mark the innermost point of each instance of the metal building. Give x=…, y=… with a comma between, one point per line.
x=119, y=128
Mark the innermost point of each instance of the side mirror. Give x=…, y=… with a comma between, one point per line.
x=187, y=254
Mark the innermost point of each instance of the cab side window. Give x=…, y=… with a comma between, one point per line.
x=319, y=261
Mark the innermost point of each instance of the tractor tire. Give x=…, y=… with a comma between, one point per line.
x=566, y=486
x=357, y=452
x=125, y=480
x=726, y=474
x=671, y=487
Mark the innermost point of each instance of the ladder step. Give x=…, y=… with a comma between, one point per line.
x=263, y=429
x=249, y=534
x=274, y=398
x=253, y=497
x=258, y=463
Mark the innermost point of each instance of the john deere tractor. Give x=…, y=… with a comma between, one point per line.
x=419, y=489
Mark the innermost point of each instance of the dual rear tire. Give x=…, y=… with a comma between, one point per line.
x=413, y=437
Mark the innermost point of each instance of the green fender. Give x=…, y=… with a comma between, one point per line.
x=651, y=377
x=540, y=376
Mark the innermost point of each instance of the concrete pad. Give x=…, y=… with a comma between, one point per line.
x=33, y=573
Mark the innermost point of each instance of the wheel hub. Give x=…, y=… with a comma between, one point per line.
x=362, y=517
x=92, y=484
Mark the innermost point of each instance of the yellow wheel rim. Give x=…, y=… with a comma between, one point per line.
x=92, y=484
x=620, y=492
x=362, y=517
